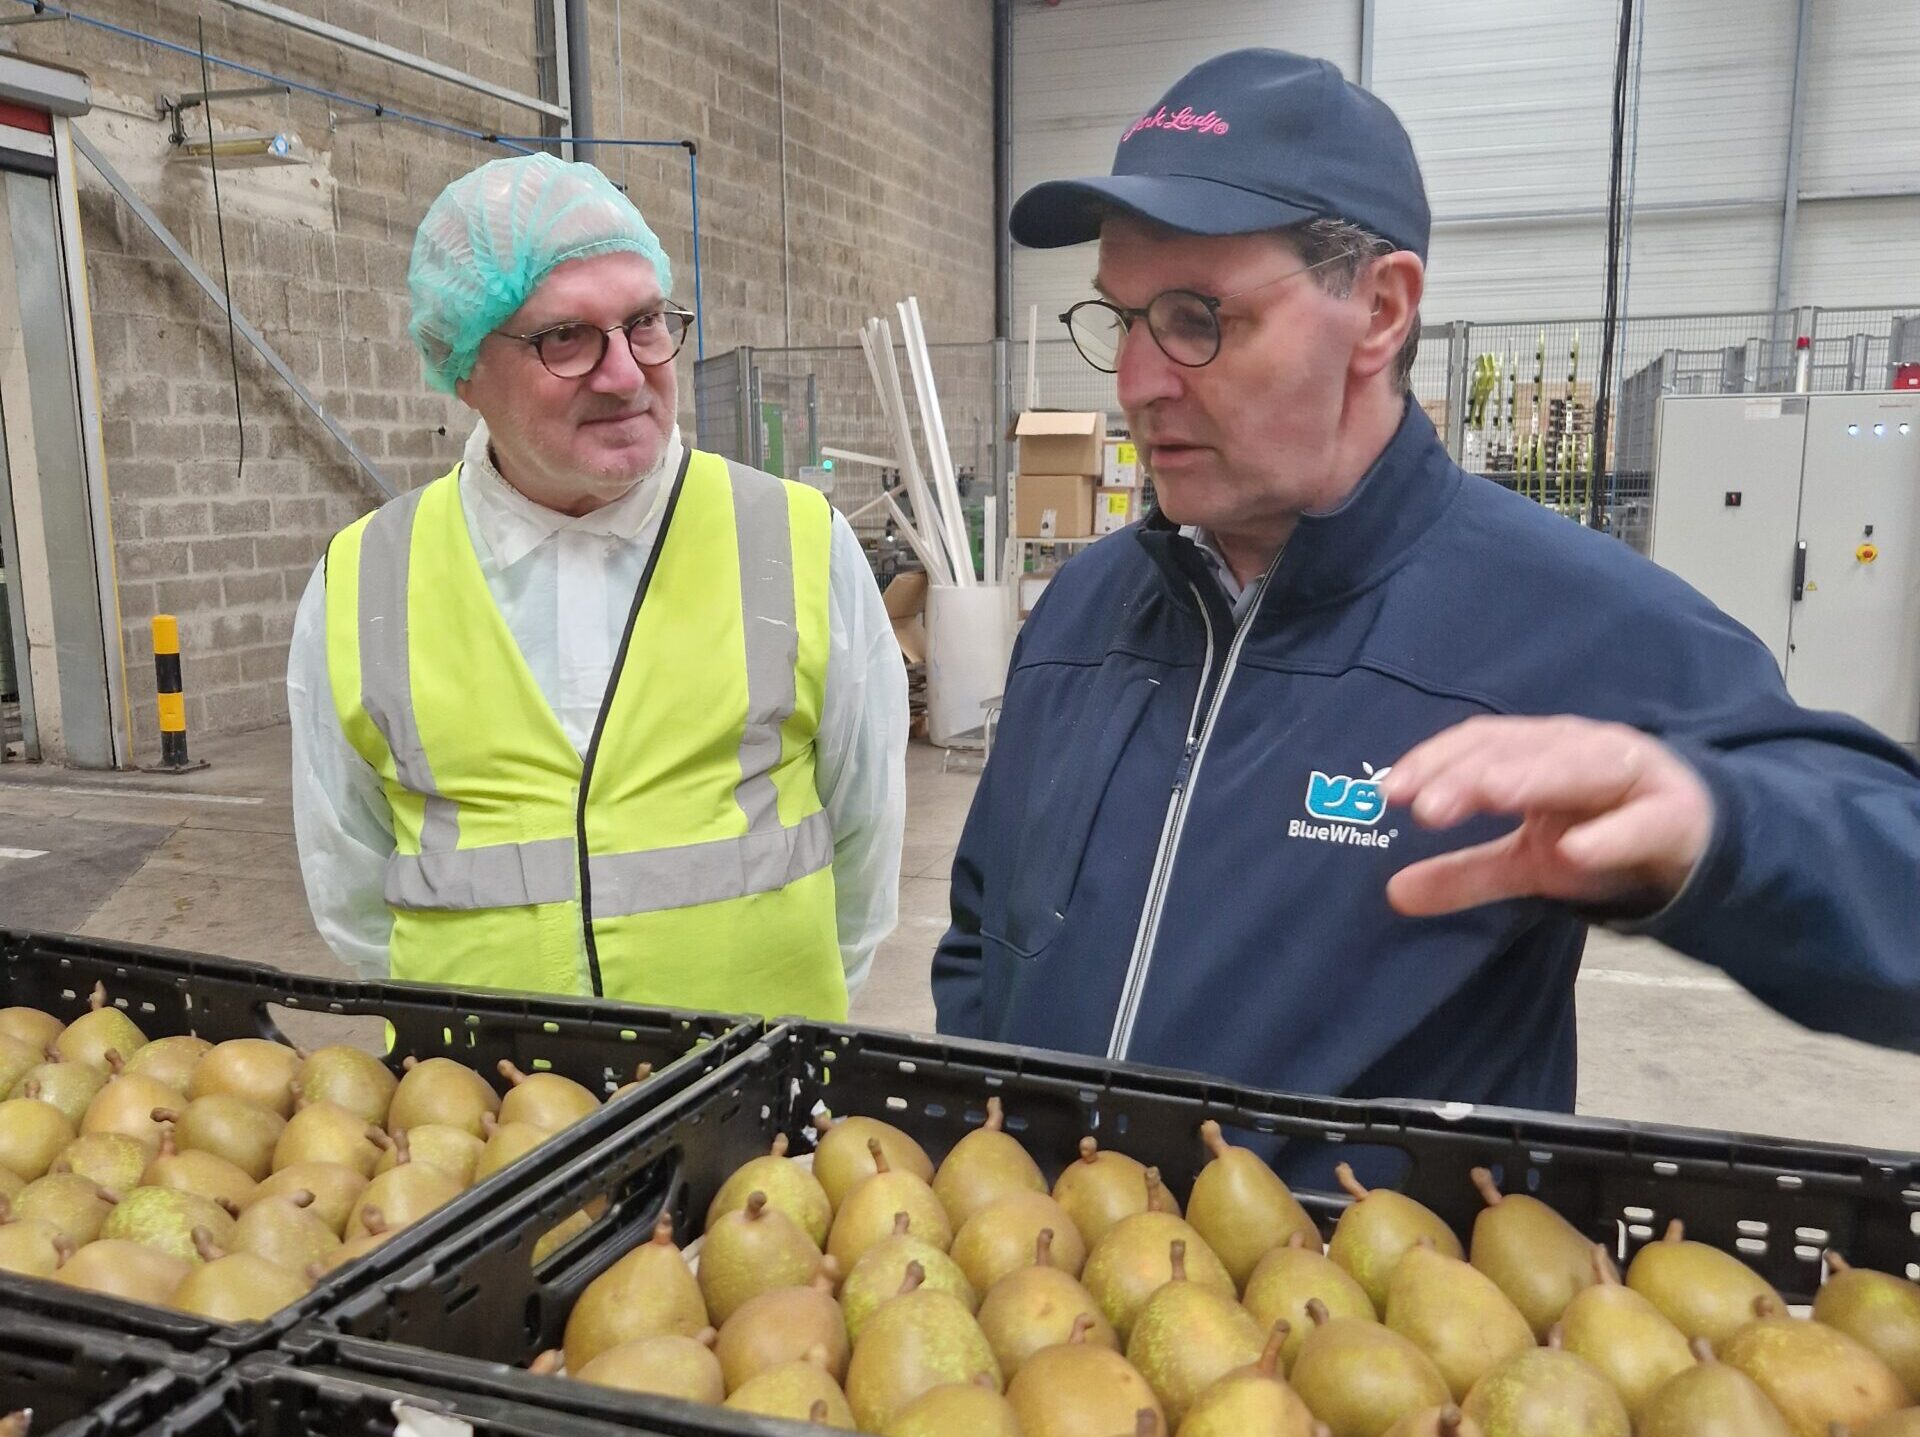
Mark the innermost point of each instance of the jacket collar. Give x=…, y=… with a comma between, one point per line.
x=1340, y=552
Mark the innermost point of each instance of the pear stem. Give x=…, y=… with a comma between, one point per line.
x=1765, y=1306
x=756, y=1205
x=1836, y=1264
x=911, y=1280
x=1343, y=1172
x=1146, y=1423
x=996, y=1116
x=1604, y=1272
x=1211, y=1136
x=780, y=1145
x=301, y=1197
x=1556, y=1337
x=410, y=1062
x=115, y=1061
x=1676, y=1231
x=402, y=1148
x=1177, y=1259
x=505, y=1067
x=548, y=1363
x=1089, y=1149
x=1448, y=1421
x=707, y=1336
x=879, y=1155
x=1043, y=1248
x=1317, y=1310
x=97, y=999
x=1082, y=1325
x=1702, y=1350
x=373, y=1220
x=1298, y=1239
x=901, y=1222
x=817, y=1414
x=1490, y=1193
x=1269, y=1362
x=204, y=1244
x=642, y=1072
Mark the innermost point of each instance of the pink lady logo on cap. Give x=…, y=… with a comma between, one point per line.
x=1183, y=119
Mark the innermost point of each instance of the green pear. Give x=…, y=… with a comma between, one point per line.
x=169, y=1061
x=1252, y=1401
x=1546, y=1390
x=348, y=1078
x=1455, y=1314
x=800, y=1391
x=1376, y=1231
x=70, y=1087
x=77, y=1206
x=876, y=1277
x=649, y=1292
x=1626, y=1338
x=1707, y=1398
x=920, y=1340
x=1359, y=1377
x=164, y=1219
x=236, y=1287
x=546, y=1100
x=1291, y=1276
x=1079, y=1389
x=784, y=1325
x=1816, y=1375
x=1879, y=1311
x=985, y=1165
x=958, y=1409
x=1133, y=1261
x=1535, y=1256
x=1702, y=1291
x=441, y=1091
x=103, y=1029
x=1004, y=1236
x=666, y=1365
x=32, y=1135
x=1099, y=1188
x=1188, y=1337
x=1036, y=1307
x=255, y=1070
x=792, y=1189
x=1242, y=1208
x=843, y=1158
x=866, y=1214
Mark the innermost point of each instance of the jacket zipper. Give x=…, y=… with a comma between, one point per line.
x=1188, y=773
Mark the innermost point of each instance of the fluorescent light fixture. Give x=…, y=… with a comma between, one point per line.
x=264, y=147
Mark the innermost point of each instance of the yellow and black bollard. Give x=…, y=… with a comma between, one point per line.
x=171, y=696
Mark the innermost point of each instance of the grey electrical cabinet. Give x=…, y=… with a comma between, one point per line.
x=1799, y=515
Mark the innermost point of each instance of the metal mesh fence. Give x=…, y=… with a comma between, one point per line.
x=1514, y=402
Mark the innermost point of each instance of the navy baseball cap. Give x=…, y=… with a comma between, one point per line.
x=1247, y=141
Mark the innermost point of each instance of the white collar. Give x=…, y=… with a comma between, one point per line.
x=511, y=525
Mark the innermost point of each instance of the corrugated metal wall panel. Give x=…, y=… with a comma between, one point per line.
x=1858, y=252
x=1863, y=99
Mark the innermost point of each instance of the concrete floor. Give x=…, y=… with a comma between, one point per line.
x=207, y=862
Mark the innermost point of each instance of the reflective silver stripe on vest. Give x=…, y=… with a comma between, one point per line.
x=767, y=609
x=386, y=676
x=663, y=878
x=501, y=875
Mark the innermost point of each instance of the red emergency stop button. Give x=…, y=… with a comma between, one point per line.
x=1867, y=553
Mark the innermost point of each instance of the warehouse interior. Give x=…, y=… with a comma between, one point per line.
x=1669, y=301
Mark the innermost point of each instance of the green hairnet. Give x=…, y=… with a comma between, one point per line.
x=494, y=234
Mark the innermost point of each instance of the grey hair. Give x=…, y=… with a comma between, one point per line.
x=1343, y=251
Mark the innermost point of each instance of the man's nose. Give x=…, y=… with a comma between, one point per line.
x=618, y=372
x=1143, y=373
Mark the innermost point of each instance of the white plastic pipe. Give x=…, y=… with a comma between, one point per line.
x=875, y=342
x=934, y=427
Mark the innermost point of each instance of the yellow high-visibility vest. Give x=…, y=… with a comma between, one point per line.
x=686, y=860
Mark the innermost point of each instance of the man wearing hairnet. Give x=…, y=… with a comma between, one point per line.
x=595, y=713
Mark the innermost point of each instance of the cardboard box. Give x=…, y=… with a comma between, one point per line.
x=1114, y=507
x=1056, y=441
x=1053, y=506
x=906, y=601
x=1121, y=466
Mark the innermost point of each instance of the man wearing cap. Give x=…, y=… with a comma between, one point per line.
x=1316, y=779
x=595, y=713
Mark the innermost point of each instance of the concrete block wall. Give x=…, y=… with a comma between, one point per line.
x=888, y=143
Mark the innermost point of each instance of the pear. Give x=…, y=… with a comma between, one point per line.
x=169, y=1061
x=800, y=1391
x=286, y=1232
x=1625, y=1337
x=1133, y=1260
x=455, y=1151
x=1816, y=1375
x=1099, y=1188
x=32, y=1133
x=1188, y=1337
x=17, y=1059
x=377, y=1232
x=560, y=1234
x=1252, y=1401
x=348, y=1078
x=1535, y=1256
x=113, y=1160
x=1546, y=1390
x=1447, y=1421
x=784, y=1325
x=441, y=1091
x=866, y=1214
x=750, y=1252
x=920, y=1340
x=983, y=1166
x=1288, y=1277
x=1455, y=1314
x=1904, y=1423
x=1359, y=1377
x=667, y=1366
x=36, y=1029
x=843, y=1159
x=205, y=1174
x=164, y=1219
x=1035, y=1307
x=877, y=1276
x=88, y=1038
x=126, y=1106
x=236, y=1287
x=506, y=1144
x=70, y=1087
x=789, y=1187
x=336, y=1190
x=329, y=1133
x=1702, y=1291
x=31, y=1246
x=1077, y=1388
x=115, y=1267
x=1003, y=1237
x=958, y=1409
x=1376, y=1230
x=76, y=1206
x=403, y=1195
x=244, y=1133
x=545, y=1100
x=1879, y=1311
x=11, y=1182
x=1242, y=1208
x=252, y=1069
x=1707, y=1398
x=650, y=1292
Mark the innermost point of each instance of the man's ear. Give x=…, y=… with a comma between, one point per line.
x=1391, y=285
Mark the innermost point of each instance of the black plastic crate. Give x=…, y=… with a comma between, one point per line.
x=167, y=992
x=1776, y=1203
x=266, y=1396
x=81, y=1382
